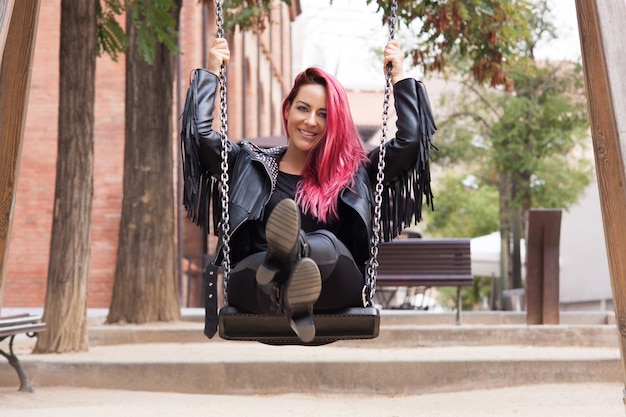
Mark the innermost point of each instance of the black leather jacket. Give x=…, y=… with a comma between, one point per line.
x=253, y=171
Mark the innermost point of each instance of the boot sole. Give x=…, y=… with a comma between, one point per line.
x=300, y=292
x=281, y=232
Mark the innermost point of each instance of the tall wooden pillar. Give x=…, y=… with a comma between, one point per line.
x=6, y=9
x=18, y=24
x=603, y=46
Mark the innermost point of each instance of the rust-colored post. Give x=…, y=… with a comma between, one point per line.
x=18, y=43
x=603, y=46
x=542, y=266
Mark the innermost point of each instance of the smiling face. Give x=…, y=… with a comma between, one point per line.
x=306, y=117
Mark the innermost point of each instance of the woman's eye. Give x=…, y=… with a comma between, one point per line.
x=322, y=115
x=302, y=108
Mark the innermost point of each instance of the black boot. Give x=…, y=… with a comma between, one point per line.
x=299, y=293
x=282, y=233
x=286, y=265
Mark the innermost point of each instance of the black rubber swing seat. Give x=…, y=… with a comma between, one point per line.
x=347, y=324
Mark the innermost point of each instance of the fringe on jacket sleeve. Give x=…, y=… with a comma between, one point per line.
x=403, y=198
x=198, y=183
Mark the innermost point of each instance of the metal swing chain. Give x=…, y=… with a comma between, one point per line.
x=370, y=287
x=370, y=284
x=224, y=187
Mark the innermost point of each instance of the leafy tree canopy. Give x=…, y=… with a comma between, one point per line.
x=535, y=136
x=464, y=208
x=152, y=18
x=248, y=15
x=492, y=35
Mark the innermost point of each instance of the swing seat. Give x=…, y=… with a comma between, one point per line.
x=347, y=324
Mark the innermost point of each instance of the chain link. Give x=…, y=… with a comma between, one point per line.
x=219, y=11
x=224, y=178
x=372, y=268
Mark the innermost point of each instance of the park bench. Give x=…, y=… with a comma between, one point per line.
x=10, y=327
x=424, y=263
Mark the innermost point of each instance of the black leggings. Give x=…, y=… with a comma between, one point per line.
x=342, y=281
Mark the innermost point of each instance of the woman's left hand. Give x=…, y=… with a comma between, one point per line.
x=219, y=54
x=393, y=55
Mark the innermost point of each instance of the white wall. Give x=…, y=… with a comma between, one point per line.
x=584, y=263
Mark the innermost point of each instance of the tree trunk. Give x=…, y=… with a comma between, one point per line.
x=516, y=251
x=145, y=288
x=65, y=309
x=520, y=232
x=504, y=187
x=516, y=237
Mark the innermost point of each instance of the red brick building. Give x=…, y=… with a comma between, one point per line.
x=259, y=73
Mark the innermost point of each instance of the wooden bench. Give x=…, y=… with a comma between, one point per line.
x=426, y=263
x=10, y=327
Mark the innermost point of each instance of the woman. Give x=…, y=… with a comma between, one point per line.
x=301, y=214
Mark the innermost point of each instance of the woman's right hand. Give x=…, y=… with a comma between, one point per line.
x=219, y=54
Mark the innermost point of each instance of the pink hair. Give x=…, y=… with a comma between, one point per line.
x=332, y=164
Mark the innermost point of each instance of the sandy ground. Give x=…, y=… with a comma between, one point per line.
x=558, y=400
x=553, y=400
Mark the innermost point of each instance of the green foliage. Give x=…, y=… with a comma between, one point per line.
x=492, y=35
x=152, y=18
x=111, y=37
x=155, y=23
x=247, y=15
x=537, y=140
x=560, y=180
x=465, y=207
x=534, y=135
x=471, y=297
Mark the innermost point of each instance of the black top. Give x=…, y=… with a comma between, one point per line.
x=286, y=185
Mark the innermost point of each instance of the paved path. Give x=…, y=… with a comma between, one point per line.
x=591, y=361
x=559, y=400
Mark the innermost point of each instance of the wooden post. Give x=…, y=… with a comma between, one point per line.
x=18, y=24
x=603, y=46
x=542, y=266
x=6, y=9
